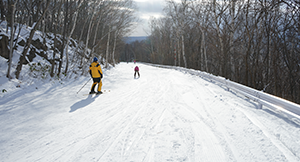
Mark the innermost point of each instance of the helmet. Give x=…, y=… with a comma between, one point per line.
x=95, y=59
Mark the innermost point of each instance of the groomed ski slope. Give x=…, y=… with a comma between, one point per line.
x=163, y=116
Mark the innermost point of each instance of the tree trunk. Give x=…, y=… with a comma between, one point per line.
x=63, y=38
x=204, y=50
x=178, y=48
x=175, y=53
x=183, y=52
x=12, y=32
x=114, y=48
x=96, y=33
x=69, y=37
x=55, y=20
x=107, y=47
x=232, y=24
x=87, y=38
x=2, y=11
x=28, y=42
x=222, y=65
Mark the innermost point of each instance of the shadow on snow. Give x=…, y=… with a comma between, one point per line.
x=83, y=103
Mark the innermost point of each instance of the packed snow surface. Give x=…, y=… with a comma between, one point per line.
x=163, y=116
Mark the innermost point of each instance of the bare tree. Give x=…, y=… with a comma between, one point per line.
x=69, y=37
x=12, y=33
x=178, y=14
x=28, y=42
x=62, y=18
x=252, y=42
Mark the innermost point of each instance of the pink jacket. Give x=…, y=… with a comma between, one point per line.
x=136, y=68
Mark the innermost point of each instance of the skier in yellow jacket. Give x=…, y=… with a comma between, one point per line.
x=97, y=75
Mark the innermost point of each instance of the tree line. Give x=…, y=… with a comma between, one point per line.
x=98, y=25
x=252, y=42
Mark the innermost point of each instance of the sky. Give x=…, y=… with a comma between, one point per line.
x=147, y=9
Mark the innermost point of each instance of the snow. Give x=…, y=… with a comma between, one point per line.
x=165, y=115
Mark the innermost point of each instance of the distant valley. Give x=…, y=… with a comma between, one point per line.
x=129, y=40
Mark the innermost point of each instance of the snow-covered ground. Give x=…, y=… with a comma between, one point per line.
x=165, y=115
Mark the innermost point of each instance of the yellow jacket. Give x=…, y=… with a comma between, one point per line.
x=95, y=70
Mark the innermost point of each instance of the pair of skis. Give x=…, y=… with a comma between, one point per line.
x=104, y=91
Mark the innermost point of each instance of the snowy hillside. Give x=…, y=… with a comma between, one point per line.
x=37, y=67
x=163, y=116
x=45, y=49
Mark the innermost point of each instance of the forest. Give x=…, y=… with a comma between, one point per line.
x=252, y=42
x=97, y=25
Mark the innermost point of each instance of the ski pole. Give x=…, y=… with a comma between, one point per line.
x=83, y=86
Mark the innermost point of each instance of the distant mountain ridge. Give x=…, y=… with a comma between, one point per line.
x=129, y=40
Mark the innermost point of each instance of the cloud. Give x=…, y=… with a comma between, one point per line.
x=150, y=6
x=147, y=9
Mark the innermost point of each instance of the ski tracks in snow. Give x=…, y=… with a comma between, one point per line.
x=165, y=115
x=166, y=127
x=252, y=141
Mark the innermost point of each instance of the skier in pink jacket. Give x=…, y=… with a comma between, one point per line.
x=136, y=70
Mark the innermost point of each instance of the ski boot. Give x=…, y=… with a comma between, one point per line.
x=99, y=92
x=92, y=92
